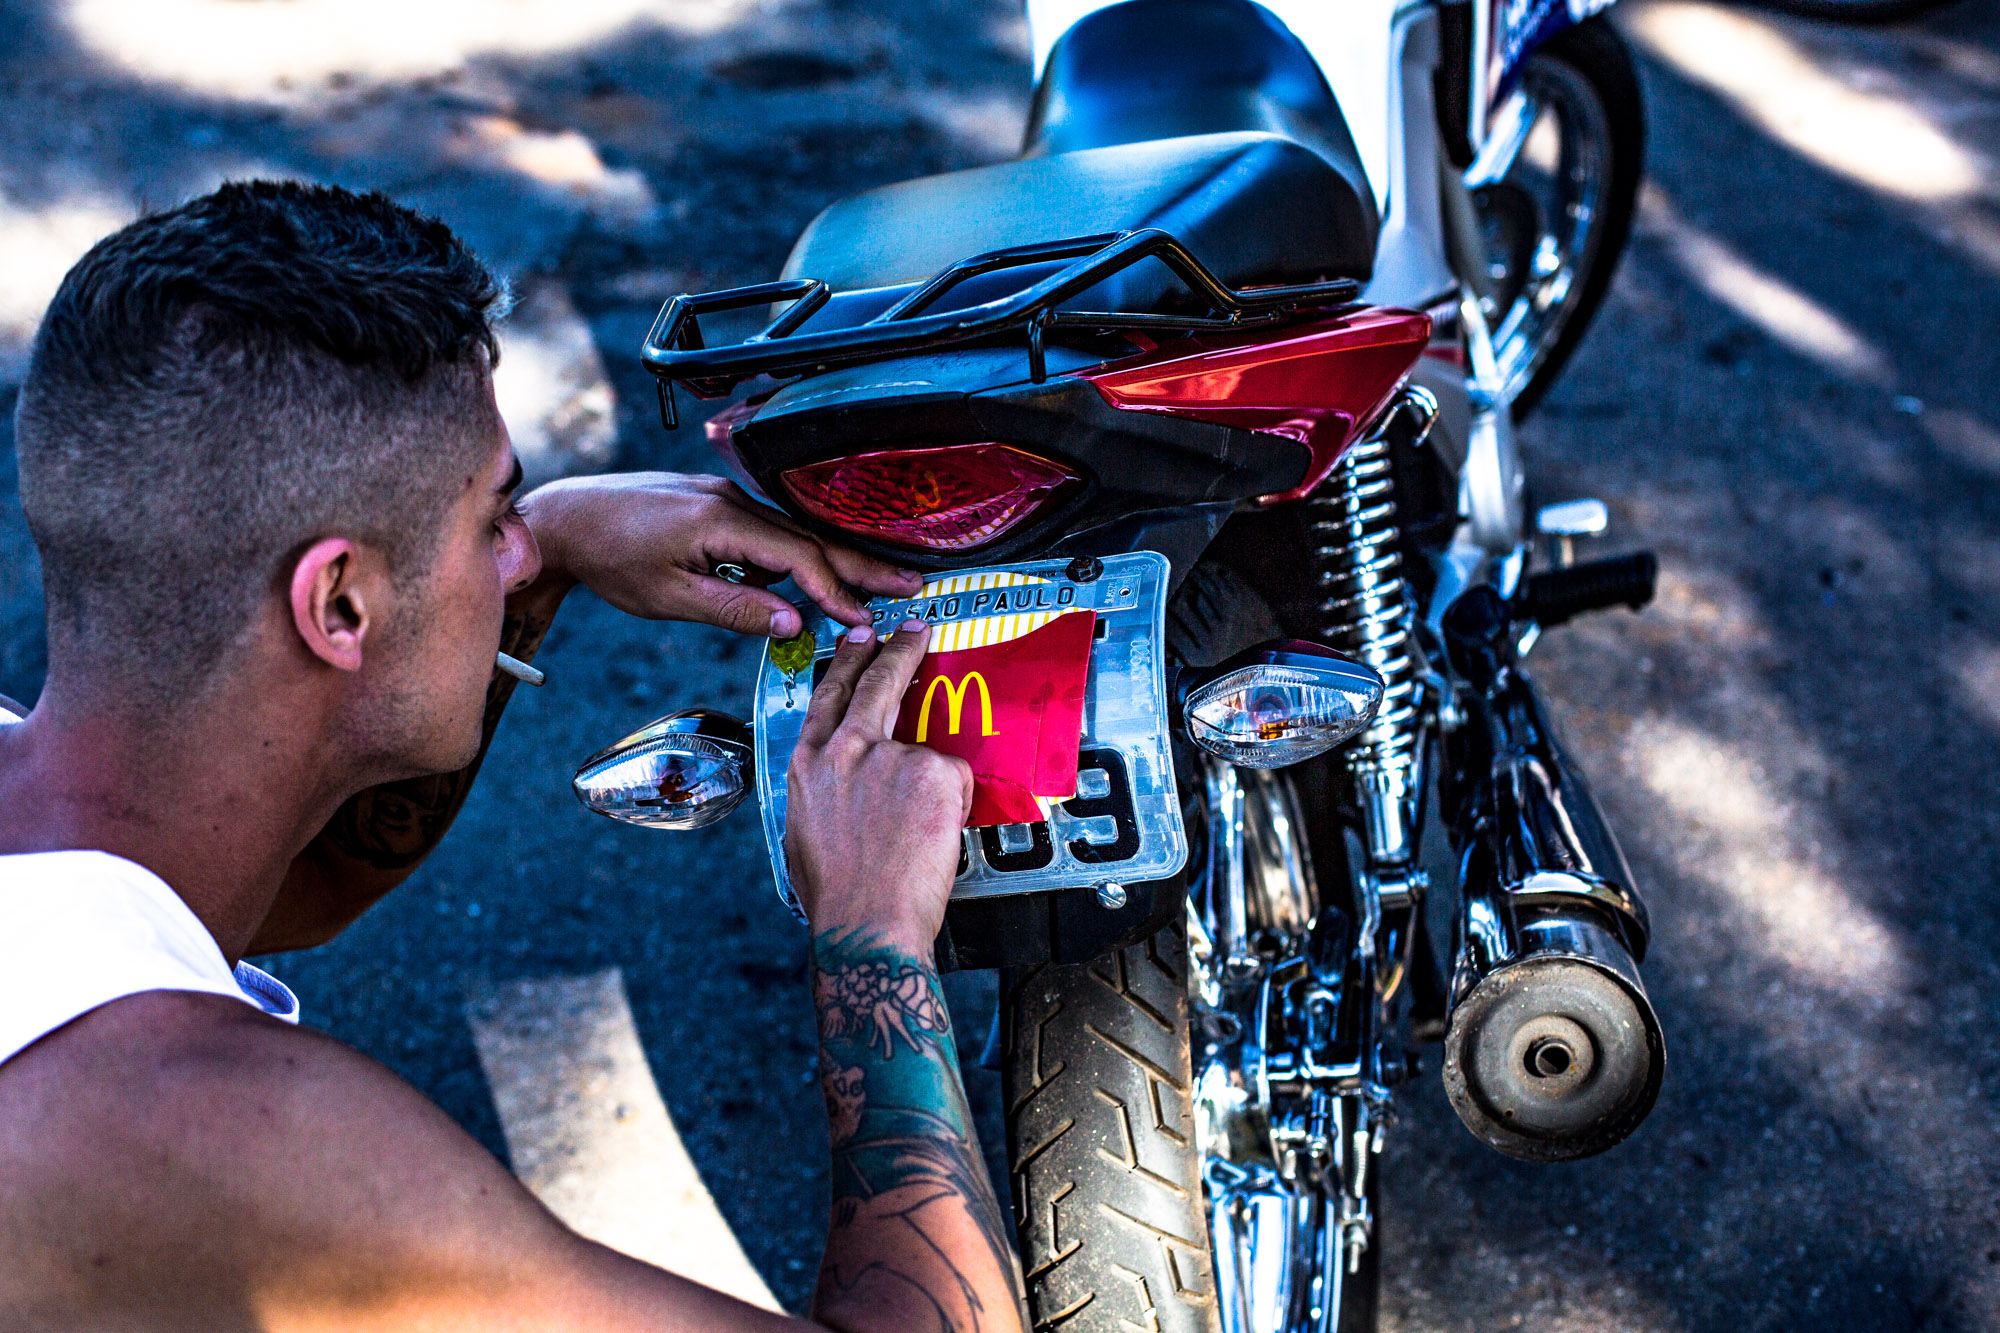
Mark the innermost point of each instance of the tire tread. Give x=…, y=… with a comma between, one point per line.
x=1113, y=1236
x=1098, y=1084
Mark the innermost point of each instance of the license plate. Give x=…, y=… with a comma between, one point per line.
x=1123, y=822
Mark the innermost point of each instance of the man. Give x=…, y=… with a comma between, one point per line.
x=260, y=456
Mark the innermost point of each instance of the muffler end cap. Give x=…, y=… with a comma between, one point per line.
x=1553, y=1059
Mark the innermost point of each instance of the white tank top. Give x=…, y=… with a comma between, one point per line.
x=81, y=929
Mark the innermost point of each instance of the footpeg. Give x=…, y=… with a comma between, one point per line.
x=1556, y=595
x=1563, y=523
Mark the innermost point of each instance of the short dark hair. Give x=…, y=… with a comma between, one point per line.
x=215, y=387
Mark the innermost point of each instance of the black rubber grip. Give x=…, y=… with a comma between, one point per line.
x=1562, y=594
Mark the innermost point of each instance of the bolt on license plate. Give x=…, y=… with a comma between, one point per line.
x=1053, y=688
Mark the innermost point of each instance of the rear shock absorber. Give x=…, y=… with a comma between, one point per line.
x=1364, y=611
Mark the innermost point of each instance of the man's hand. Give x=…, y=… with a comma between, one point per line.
x=872, y=836
x=871, y=824
x=648, y=543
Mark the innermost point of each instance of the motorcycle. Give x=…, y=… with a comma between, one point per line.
x=1199, y=417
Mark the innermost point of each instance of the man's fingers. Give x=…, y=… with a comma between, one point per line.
x=824, y=568
x=763, y=543
x=829, y=698
x=878, y=695
x=877, y=576
x=817, y=580
x=742, y=607
x=965, y=785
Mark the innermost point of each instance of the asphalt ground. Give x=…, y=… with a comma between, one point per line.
x=1790, y=396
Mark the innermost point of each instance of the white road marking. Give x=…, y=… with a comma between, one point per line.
x=589, y=1132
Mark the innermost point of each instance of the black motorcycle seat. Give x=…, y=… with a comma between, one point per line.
x=1256, y=208
x=1159, y=69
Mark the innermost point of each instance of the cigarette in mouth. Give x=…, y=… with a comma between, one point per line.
x=518, y=669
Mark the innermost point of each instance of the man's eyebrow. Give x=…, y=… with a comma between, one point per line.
x=513, y=482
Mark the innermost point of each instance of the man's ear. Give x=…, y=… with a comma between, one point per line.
x=332, y=609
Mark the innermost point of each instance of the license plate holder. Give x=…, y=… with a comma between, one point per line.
x=1124, y=823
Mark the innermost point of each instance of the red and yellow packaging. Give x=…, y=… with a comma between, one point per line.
x=1005, y=693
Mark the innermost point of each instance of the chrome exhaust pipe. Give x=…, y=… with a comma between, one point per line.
x=1552, y=1050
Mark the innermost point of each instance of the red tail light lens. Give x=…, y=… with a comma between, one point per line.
x=952, y=497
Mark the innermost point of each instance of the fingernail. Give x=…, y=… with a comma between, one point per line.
x=781, y=625
x=861, y=634
x=911, y=624
x=911, y=573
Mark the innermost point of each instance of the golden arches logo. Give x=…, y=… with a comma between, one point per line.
x=954, y=702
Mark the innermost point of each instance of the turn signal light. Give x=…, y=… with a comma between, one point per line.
x=952, y=497
x=684, y=771
x=1279, y=704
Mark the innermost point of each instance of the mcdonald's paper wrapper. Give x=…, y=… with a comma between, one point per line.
x=1006, y=695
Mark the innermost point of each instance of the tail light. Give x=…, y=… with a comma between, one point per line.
x=1319, y=384
x=951, y=497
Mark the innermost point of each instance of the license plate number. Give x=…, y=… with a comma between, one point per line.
x=1123, y=824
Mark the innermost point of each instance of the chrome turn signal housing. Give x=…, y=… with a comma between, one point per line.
x=684, y=771
x=1278, y=704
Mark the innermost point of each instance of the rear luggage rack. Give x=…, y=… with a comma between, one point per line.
x=675, y=354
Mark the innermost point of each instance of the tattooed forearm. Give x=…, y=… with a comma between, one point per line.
x=879, y=1000
x=918, y=1240
x=378, y=837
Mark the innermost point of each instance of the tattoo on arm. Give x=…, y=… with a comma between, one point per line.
x=918, y=1239
x=394, y=826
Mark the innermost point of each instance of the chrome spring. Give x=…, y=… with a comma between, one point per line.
x=1365, y=606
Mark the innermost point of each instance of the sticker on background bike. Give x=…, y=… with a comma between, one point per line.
x=1074, y=678
x=1519, y=26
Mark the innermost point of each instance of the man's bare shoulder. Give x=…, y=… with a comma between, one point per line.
x=186, y=1139
x=176, y=1159
x=182, y=1070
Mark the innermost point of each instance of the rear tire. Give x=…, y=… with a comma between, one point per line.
x=1100, y=1143
x=1097, y=1082
x=1097, y=1085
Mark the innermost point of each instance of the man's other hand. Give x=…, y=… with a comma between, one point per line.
x=648, y=543
x=873, y=825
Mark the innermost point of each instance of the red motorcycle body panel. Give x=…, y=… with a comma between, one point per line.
x=1318, y=384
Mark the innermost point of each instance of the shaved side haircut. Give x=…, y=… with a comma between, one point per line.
x=216, y=387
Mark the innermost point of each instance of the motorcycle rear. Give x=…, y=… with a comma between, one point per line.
x=1228, y=565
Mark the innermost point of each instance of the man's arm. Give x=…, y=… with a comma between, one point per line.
x=178, y=1160
x=916, y=1228
x=917, y=1238
x=644, y=542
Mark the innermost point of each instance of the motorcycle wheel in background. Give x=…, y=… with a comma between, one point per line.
x=1099, y=1087
x=1554, y=188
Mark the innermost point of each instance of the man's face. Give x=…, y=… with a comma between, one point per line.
x=446, y=626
